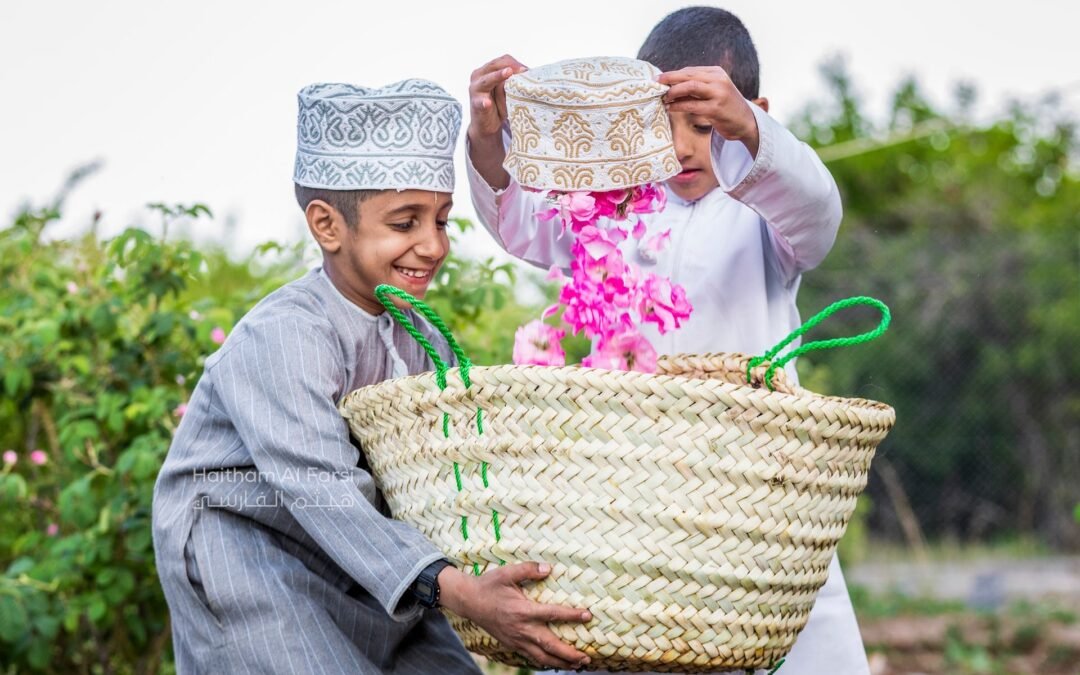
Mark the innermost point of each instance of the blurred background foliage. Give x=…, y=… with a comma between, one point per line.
x=969, y=230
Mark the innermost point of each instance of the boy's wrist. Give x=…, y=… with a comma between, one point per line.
x=483, y=137
x=426, y=588
x=487, y=152
x=751, y=134
x=452, y=593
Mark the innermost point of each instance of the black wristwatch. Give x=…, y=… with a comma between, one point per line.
x=426, y=586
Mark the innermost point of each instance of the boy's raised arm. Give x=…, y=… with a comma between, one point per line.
x=507, y=211
x=487, y=114
x=789, y=186
x=760, y=163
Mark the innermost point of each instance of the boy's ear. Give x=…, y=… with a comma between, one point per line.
x=325, y=224
x=762, y=103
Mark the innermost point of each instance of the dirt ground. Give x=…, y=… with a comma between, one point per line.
x=907, y=645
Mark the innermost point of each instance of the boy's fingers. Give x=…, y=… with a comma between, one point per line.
x=487, y=83
x=501, y=61
x=691, y=73
x=527, y=571
x=504, y=61
x=500, y=101
x=693, y=89
x=480, y=103
x=532, y=652
x=551, y=613
x=674, y=77
x=557, y=650
x=692, y=106
x=510, y=61
x=541, y=657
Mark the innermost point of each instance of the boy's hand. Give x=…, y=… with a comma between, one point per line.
x=487, y=112
x=487, y=100
x=708, y=92
x=495, y=602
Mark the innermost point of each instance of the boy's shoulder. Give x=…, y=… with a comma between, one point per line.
x=299, y=311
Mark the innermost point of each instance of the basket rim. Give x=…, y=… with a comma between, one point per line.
x=797, y=392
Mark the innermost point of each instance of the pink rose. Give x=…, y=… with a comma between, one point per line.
x=180, y=410
x=658, y=242
x=664, y=303
x=598, y=242
x=625, y=351
x=612, y=203
x=606, y=297
x=539, y=344
x=52, y=530
x=10, y=457
x=581, y=206
x=586, y=309
x=648, y=199
x=38, y=457
x=217, y=335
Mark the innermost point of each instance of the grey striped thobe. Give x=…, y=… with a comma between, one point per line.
x=274, y=548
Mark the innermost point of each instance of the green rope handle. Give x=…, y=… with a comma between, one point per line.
x=886, y=317
x=382, y=292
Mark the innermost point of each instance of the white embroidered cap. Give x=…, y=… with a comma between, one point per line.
x=398, y=137
x=591, y=124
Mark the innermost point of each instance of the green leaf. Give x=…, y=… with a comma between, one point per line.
x=20, y=566
x=13, y=487
x=13, y=619
x=120, y=588
x=79, y=363
x=47, y=626
x=106, y=577
x=104, y=519
x=15, y=379
x=71, y=618
x=97, y=609
x=40, y=653
x=135, y=624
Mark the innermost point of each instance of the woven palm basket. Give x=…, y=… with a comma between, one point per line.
x=693, y=514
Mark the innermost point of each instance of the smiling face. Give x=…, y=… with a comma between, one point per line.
x=400, y=239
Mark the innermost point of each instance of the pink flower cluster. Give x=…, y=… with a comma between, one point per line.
x=605, y=296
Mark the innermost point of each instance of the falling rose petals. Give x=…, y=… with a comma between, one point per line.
x=605, y=297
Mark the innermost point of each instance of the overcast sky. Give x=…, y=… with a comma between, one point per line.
x=195, y=101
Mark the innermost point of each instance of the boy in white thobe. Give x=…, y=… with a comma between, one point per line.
x=751, y=210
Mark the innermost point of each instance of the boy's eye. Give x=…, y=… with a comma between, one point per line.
x=703, y=128
x=404, y=227
x=441, y=224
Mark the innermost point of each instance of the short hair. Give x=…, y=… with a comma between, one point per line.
x=705, y=36
x=346, y=202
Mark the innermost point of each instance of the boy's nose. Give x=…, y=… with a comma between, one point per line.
x=683, y=149
x=432, y=246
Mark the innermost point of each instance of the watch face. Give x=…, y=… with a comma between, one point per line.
x=425, y=588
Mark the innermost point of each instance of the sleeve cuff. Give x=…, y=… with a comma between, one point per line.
x=403, y=606
x=476, y=181
x=736, y=171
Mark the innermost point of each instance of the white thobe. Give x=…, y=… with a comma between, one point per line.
x=739, y=252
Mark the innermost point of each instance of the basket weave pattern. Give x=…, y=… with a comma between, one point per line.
x=695, y=516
